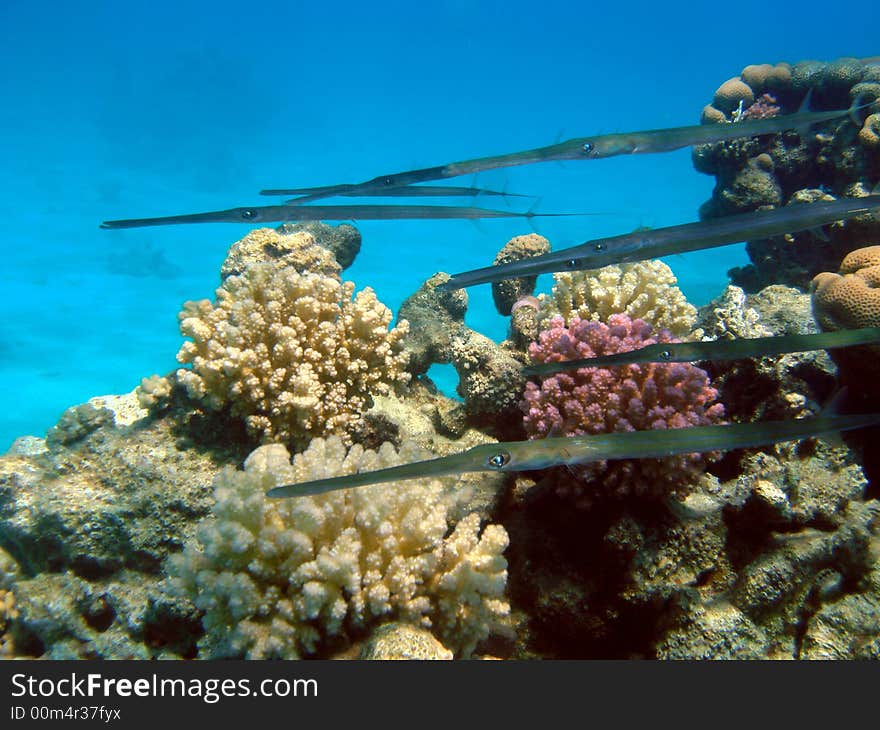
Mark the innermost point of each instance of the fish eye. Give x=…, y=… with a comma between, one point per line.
x=599, y=246
x=499, y=460
x=588, y=147
x=665, y=354
x=572, y=263
x=388, y=181
x=248, y=214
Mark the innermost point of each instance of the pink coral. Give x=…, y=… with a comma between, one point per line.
x=764, y=107
x=623, y=398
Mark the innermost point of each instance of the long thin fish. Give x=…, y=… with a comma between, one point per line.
x=716, y=350
x=592, y=148
x=653, y=243
x=558, y=451
x=274, y=213
x=407, y=191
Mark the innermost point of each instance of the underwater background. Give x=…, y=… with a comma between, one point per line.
x=121, y=110
x=649, y=506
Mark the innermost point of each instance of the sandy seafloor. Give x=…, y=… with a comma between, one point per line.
x=115, y=110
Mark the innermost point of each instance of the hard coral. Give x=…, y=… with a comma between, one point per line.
x=292, y=354
x=852, y=297
x=869, y=134
x=627, y=398
x=645, y=290
x=8, y=614
x=285, y=578
x=299, y=250
x=731, y=94
x=764, y=107
x=506, y=293
x=847, y=300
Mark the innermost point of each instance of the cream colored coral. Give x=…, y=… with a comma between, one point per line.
x=646, y=290
x=8, y=613
x=732, y=317
x=299, y=250
x=277, y=578
x=293, y=354
x=869, y=134
x=153, y=391
x=851, y=298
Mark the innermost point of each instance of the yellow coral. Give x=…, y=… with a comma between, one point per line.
x=869, y=134
x=276, y=578
x=293, y=354
x=8, y=613
x=299, y=250
x=153, y=391
x=646, y=290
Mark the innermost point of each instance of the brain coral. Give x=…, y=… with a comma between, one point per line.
x=847, y=300
x=292, y=354
x=626, y=398
x=852, y=297
x=645, y=290
x=290, y=577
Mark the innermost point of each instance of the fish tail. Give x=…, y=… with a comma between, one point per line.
x=858, y=105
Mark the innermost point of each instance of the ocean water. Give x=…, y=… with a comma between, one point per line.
x=115, y=110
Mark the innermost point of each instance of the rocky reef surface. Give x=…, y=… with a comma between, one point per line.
x=835, y=160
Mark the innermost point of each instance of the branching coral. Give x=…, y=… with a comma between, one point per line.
x=628, y=398
x=646, y=290
x=279, y=578
x=293, y=354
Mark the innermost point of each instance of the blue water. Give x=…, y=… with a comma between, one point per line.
x=115, y=110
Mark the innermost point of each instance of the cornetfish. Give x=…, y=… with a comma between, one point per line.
x=599, y=146
x=407, y=191
x=653, y=243
x=559, y=451
x=274, y=213
x=716, y=350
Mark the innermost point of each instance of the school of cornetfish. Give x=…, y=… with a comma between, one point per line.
x=629, y=247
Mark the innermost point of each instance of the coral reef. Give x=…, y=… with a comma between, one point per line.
x=506, y=293
x=851, y=299
x=403, y=641
x=131, y=531
x=283, y=578
x=291, y=354
x=766, y=388
x=835, y=159
x=731, y=95
x=627, y=398
x=490, y=377
x=750, y=567
x=435, y=318
x=90, y=520
x=490, y=380
x=343, y=241
x=8, y=613
x=298, y=250
x=645, y=290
